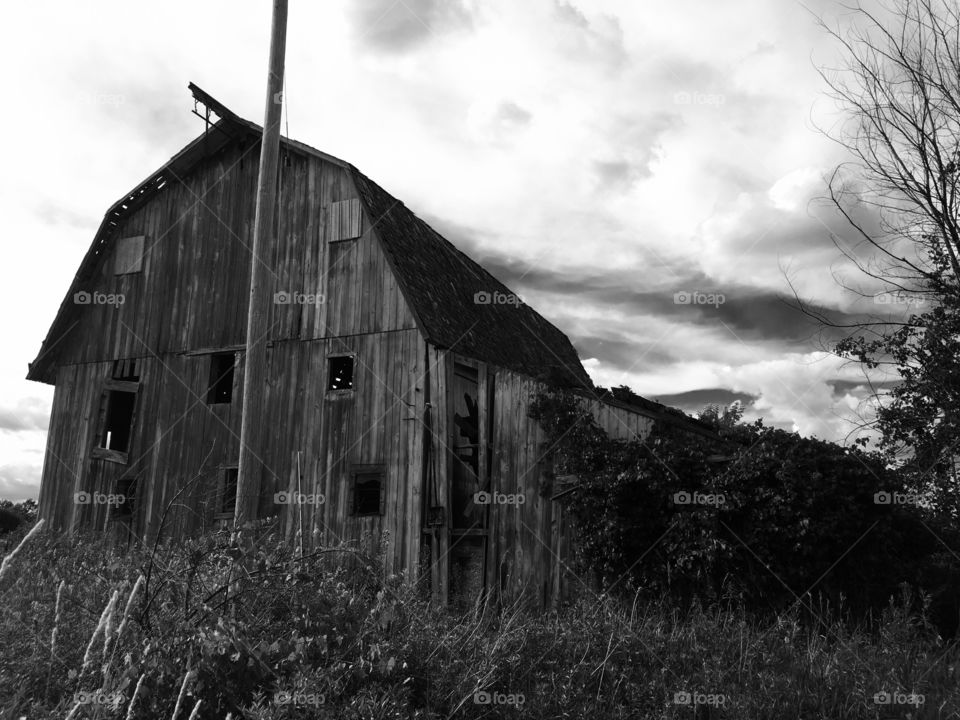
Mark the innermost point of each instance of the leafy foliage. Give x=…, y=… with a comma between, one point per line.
x=791, y=517
x=314, y=638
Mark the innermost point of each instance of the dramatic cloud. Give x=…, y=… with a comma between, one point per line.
x=606, y=161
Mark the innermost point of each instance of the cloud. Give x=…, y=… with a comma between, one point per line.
x=19, y=482
x=548, y=139
x=693, y=401
x=597, y=38
x=27, y=414
x=398, y=26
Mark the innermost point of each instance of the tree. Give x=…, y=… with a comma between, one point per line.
x=900, y=92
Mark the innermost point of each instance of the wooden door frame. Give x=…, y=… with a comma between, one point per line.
x=485, y=476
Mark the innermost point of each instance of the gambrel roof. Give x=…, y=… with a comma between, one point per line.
x=439, y=282
x=442, y=285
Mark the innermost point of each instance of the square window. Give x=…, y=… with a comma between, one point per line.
x=129, y=255
x=117, y=424
x=367, y=490
x=340, y=372
x=345, y=220
x=220, y=382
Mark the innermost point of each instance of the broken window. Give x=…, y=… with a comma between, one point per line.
x=228, y=491
x=220, y=382
x=367, y=490
x=117, y=420
x=340, y=372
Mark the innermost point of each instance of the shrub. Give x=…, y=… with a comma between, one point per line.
x=799, y=517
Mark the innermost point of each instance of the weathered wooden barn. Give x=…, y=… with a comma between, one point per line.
x=400, y=375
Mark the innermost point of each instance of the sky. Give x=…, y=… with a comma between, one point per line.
x=647, y=175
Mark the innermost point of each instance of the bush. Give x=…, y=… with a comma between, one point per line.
x=783, y=518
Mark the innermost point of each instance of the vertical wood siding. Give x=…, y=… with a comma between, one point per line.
x=190, y=299
x=530, y=543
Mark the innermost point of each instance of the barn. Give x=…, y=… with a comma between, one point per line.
x=400, y=374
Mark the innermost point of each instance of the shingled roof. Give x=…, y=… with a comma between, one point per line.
x=455, y=300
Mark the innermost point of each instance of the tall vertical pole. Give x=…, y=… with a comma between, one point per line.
x=250, y=469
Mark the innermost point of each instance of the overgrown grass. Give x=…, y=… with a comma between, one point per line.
x=247, y=630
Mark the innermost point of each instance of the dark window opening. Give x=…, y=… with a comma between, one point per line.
x=220, y=385
x=125, y=489
x=368, y=492
x=340, y=373
x=228, y=498
x=117, y=420
x=126, y=369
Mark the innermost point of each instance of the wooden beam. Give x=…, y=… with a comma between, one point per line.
x=254, y=377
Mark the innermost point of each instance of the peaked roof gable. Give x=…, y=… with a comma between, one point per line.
x=444, y=287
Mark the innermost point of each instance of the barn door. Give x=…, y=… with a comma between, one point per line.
x=469, y=478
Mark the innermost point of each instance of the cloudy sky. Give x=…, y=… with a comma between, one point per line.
x=606, y=159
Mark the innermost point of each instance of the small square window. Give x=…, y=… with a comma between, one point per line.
x=129, y=255
x=340, y=372
x=345, y=220
x=228, y=493
x=220, y=383
x=367, y=490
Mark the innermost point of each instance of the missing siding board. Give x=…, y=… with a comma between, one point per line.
x=129, y=257
x=125, y=369
x=345, y=220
